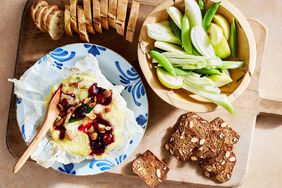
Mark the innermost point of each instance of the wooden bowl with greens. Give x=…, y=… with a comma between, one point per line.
x=197, y=55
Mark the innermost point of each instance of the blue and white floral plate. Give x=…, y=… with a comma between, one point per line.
x=118, y=71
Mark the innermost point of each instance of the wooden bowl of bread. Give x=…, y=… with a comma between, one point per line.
x=180, y=98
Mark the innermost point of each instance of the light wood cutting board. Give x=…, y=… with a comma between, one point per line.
x=161, y=115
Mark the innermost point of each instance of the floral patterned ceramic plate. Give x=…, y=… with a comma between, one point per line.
x=118, y=71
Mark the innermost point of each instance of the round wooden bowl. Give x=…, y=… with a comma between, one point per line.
x=180, y=98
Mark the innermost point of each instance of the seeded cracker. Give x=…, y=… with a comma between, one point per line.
x=225, y=132
x=221, y=167
x=148, y=167
x=190, y=134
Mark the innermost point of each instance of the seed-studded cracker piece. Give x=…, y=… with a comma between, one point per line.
x=209, y=147
x=148, y=167
x=225, y=132
x=189, y=135
x=221, y=167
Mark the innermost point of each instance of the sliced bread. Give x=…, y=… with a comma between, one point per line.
x=36, y=6
x=55, y=24
x=121, y=16
x=68, y=21
x=82, y=24
x=132, y=21
x=38, y=17
x=104, y=13
x=45, y=15
x=88, y=16
x=96, y=16
x=112, y=14
x=73, y=14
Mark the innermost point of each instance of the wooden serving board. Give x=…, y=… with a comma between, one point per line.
x=33, y=44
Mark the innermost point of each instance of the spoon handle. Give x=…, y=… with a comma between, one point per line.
x=51, y=116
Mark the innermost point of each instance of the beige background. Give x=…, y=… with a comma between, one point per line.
x=266, y=158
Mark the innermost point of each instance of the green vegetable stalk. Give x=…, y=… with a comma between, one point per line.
x=233, y=39
x=202, y=6
x=208, y=71
x=175, y=29
x=175, y=15
x=209, y=15
x=185, y=35
x=218, y=99
x=169, y=47
x=163, y=61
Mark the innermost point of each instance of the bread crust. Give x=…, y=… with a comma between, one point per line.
x=88, y=16
x=134, y=12
x=59, y=26
x=104, y=13
x=68, y=21
x=149, y=168
x=73, y=14
x=46, y=13
x=112, y=13
x=38, y=17
x=121, y=16
x=96, y=16
x=35, y=7
x=82, y=24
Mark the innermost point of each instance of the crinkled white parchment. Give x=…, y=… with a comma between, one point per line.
x=35, y=85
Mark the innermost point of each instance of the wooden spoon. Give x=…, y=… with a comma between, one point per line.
x=51, y=115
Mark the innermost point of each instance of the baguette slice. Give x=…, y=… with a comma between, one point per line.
x=96, y=16
x=132, y=21
x=55, y=24
x=121, y=16
x=104, y=13
x=82, y=24
x=68, y=21
x=112, y=14
x=38, y=17
x=46, y=14
x=73, y=14
x=36, y=6
x=88, y=16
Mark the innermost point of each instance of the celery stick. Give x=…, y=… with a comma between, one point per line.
x=208, y=71
x=181, y=72
x=163, y=61
x=169, y=47
x=230, y=64
x=185, y=35
x=218, y=99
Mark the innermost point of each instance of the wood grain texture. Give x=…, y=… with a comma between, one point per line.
x=159, y=120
